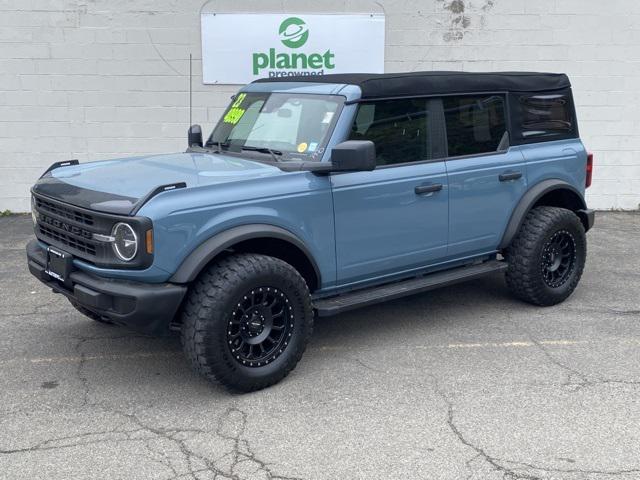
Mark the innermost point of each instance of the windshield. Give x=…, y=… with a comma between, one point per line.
x=287, y=124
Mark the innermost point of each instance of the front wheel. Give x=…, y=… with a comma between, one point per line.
x=247, y=321
x=547, y=256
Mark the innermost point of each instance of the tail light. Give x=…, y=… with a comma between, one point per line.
x=587, y=182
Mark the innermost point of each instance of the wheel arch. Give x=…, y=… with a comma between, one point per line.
x=552, y=193
x=255, y=238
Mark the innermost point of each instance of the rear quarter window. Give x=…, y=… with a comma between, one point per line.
x=543, y=116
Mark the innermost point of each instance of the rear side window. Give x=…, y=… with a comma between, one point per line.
x=475, y=124
x=399, y=129
x=545, y=115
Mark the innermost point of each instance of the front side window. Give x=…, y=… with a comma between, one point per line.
x=475, y=124
x=398, y=128
x=291, y=125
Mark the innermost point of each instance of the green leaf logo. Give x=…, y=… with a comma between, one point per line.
x=293, y=32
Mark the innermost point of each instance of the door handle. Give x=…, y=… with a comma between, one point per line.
x=505, y=177
x=431, y=188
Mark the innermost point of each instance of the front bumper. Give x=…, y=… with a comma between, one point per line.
x=146, y=307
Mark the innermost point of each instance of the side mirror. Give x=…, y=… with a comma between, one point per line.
x=353, y=156
x=194, y=137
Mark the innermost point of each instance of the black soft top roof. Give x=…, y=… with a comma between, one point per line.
x=377, y=85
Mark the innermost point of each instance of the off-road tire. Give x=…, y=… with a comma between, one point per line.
x=212, y=302
x=89, y=314
x=525, y=275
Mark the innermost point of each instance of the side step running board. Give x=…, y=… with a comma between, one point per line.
x=370, y=296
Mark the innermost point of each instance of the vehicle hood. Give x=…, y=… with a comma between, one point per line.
x=115, y=186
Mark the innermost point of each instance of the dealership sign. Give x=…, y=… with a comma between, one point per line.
x=239, y=48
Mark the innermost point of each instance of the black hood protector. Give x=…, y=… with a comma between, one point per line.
x=54, y=188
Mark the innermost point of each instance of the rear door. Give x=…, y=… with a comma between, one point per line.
x=545, y=122
x=393, y=219
x=486, y=177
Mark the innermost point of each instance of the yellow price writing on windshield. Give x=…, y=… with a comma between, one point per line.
x=235, y=113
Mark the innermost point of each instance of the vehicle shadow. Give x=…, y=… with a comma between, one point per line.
x=132, y=358
x=433, y=310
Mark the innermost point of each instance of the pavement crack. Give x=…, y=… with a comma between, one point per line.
x=582, y=471
x=496, y=463
x=369, y=367
x=511, y=469
x=625, y=312
x=575, y=378
x=232, y=428
x=84, y=381
x=571, y=372
x=605, y=310
x=171, y=435
x=82, y=439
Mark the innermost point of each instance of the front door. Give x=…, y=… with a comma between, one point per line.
x=395, y=218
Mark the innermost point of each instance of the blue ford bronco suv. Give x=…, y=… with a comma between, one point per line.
x=316, y=195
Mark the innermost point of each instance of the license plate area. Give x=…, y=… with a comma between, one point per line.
x=59, y=264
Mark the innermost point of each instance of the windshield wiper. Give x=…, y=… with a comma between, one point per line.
x=217, y=144
x=273, y=153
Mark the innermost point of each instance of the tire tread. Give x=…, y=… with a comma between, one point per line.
x=208, y=295
x=522, y=276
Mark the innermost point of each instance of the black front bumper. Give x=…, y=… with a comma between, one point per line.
x=146, y=307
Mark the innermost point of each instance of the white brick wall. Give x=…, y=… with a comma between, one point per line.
x=93, y=79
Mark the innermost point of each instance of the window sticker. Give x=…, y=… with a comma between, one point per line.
x=235, y=113
x=313, y=146
x=327, y=117
x=302, y=147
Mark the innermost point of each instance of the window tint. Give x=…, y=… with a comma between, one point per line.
x=475, y=124
x=545, y=115
x=397, y=127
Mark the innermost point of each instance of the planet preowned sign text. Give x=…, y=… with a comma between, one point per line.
x=239, y=48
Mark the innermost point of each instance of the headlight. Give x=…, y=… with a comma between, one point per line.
x=125, y=241
x=34, y=215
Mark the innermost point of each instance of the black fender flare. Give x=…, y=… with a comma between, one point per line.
x=208, y=250
x=529, y=199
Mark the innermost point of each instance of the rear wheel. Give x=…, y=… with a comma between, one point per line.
x=247, y=321
x=547, y=257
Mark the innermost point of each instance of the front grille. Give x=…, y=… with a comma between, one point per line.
x=68, y=240
x=71, y=229
x=63, y=211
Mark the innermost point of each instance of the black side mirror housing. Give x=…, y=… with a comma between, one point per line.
x=353, y=156
x=194, y=137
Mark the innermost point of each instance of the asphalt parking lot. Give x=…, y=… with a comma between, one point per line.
x=460, y=383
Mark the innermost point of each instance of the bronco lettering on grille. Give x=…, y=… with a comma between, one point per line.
x=72, y=229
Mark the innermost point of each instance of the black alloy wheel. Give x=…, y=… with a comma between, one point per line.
x=260, y=326
x=558, y=258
